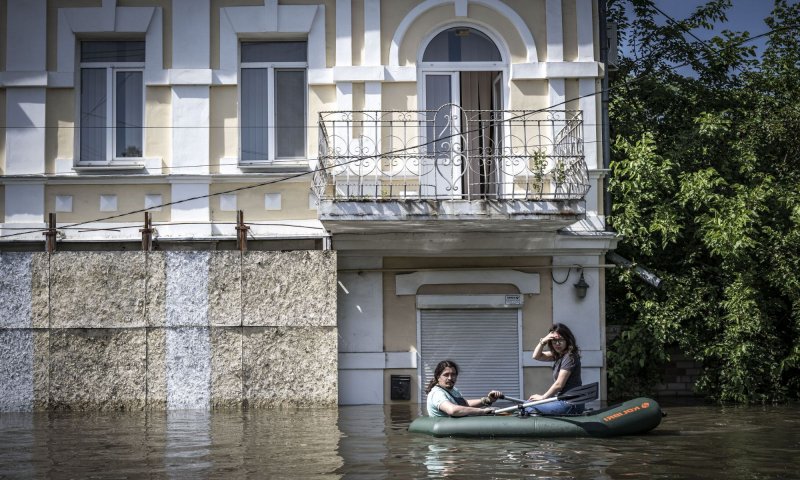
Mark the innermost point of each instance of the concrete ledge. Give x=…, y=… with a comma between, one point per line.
x=408, y=284
x=350, y=216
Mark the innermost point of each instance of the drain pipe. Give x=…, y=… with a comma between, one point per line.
x=606, y=130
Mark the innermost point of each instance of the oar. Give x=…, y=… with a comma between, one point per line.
x=515, y=400
x=582, y=394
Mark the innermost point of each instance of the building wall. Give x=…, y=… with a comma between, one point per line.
x=190, y=57
x=362, y=54
x=378, y=326
x=2, y=130
x=174, y=330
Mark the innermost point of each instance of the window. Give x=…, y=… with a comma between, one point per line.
x=461, y=44
x=272, y=101
x=111, y=100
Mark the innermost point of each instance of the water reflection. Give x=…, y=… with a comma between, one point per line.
x=372, y=442
x=187, y=452
x=363, y=444
x=17, y=429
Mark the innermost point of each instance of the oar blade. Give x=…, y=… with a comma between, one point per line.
x=577, y=395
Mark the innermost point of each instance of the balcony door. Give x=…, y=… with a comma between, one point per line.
x=463, y=101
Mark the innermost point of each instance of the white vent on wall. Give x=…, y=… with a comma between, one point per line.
x=227, y=202
x=63, y=203
x=108, y=203
x=153, y=201
x=272, y=201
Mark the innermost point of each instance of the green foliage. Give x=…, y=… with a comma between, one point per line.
x=705, y=192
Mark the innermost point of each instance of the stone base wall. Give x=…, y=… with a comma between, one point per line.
x=167, y=330
x=680, y=376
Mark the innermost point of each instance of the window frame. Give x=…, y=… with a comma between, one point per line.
x=111, y=69
x=272, y=68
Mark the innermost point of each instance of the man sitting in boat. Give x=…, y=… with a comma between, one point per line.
x=565, y=355
x=444, y=399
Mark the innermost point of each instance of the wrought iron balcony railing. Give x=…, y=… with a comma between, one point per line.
x=450, y=154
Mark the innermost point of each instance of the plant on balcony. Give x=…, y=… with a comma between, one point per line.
x=560, y=174
x=538, y=163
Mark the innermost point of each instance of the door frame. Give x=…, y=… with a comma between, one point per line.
x=455, y=68
x=466, y=302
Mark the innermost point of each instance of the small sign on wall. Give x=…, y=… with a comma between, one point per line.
x=514, y=299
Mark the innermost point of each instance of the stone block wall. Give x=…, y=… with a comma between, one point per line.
x=680, y=376
x=167, y=330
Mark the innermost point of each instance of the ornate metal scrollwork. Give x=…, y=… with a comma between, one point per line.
x=451, y=153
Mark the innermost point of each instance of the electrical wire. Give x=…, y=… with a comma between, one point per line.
x=682, y=27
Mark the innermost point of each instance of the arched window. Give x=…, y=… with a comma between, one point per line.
x=461, y=44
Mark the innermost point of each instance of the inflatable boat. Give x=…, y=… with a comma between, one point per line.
x=633, y=417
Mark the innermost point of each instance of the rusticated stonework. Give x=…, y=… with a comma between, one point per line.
x=290, y=366
x=167, y=330
x=97, y=369
x=97, y=289
x=289, y=289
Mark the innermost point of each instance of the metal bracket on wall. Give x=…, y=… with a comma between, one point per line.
x=241, y=231
x=50, y=234
x=147, y=233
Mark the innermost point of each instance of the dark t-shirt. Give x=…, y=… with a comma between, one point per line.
x=572, y=363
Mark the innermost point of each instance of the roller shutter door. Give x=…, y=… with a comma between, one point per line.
x=483, y=342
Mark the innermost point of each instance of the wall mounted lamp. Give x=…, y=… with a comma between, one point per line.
x=581, y=286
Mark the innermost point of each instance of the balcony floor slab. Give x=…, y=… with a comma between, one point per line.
x=449, y=215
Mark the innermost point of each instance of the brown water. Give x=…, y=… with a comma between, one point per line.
x=372, y=442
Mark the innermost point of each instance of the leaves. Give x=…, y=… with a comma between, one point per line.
x=705, y=191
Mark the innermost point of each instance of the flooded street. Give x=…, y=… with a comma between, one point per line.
x=372, y=442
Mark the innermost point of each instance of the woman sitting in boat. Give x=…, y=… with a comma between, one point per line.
x=565, y=355
x=444, y=399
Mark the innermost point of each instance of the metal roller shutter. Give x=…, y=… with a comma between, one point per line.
x=483, y=342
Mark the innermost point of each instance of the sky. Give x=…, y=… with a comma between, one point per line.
x=743, y=15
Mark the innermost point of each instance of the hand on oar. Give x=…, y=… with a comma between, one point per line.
x=491, y=397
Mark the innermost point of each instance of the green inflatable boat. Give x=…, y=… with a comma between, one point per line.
x=633, y=417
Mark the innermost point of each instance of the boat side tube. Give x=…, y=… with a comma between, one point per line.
x=633, y=417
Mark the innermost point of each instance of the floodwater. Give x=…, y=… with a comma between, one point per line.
x=372, y=442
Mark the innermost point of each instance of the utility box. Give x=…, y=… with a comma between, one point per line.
x=400, y=387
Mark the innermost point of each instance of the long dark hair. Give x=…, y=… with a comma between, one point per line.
x=566, y=334
x=438, y=371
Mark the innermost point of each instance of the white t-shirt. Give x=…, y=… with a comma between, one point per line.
x=439, y=395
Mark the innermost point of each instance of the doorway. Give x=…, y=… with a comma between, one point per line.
x=463, y=101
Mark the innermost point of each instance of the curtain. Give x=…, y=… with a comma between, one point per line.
x=254, y=113
x=436, y=168
x=480, y=179
x=93, y=115
x=129, y=111
x=290, y=113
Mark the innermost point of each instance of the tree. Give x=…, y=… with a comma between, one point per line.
x=705, y=191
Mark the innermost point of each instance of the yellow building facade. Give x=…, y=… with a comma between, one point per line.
x=449, y=151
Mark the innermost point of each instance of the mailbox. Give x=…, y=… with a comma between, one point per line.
x=400, y=387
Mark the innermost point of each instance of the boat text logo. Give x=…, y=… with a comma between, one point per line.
x=621, y=414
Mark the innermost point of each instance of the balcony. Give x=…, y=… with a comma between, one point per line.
x=450, y=170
